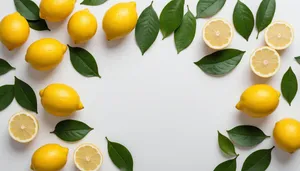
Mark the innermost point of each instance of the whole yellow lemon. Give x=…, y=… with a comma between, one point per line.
x=82, y=26
x=14, y=30
x=60, y=100
x=120, y=20
x=259, y=100
x=56, y=10
x=287, y=134
x=45, y=54
x=50, y=157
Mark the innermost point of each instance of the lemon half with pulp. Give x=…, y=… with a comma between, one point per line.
x=88, y=157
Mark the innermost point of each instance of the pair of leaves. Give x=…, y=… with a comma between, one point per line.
x=289, y=85
x=265, y=14
x=220, y=62
x=258, y=161
x=93, y=2
x=5, y=67
x=208, y=8
x=83, y=62
x=120, y=156
x=29, y=10
x=71, y=130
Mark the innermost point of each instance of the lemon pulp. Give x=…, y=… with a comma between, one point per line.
x=88, y=157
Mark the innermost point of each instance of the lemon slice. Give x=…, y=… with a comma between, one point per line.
x=88, y=157
x=23, y=127
x=265, y=62
x=217, y=33
x=279, y=35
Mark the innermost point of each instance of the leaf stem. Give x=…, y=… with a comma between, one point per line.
x=257, y=35
x=151, y=3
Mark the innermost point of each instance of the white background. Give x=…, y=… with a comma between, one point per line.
x=161, y=106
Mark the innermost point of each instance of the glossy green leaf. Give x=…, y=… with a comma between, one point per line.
x=27, y=9
x=83, y=62
x=220, y=62
x=265, y=14
x=208, y=8
x=7, y=95
x=229, y=165
x=171, y=17
x=246, y=135
x=71, y=130
x=5, y=67
x=147, y=29
x=298, y=59
x=185, y=34
x=120, y=156
x=38, y=25
x=93, y=2
x=25, y=95
x=226, y=145
x=258, y=161
x=243, y=20
x=289, y=85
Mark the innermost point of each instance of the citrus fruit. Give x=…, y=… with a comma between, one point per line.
x=23, y=127
x=45, y=54
x=14, y=30
x=217, y=33
x=60, y=100
x=265, y=62
x=50, y=157
x=82, y=26
x=279, y=35
x=287, y=134
x=259, y=100
x=120, y=20
x=88, y=157
x=56, y=10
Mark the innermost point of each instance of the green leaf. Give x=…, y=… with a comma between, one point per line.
x=171, y=17
x=298, y=59
x=265, y=14
x=39, y=25
x=93, y=2
x=83, y=62
x=220, y=62
x=246, y=135
x=27, y=9
x=208, y=8
x=7, y=95
x=147, y=29
x=25, y=95
x=258, y=161
x=71, y=130
x=243, y=20
x=185, y=34
x=229, y=165
x=289, y=85
x=5, y=67
x=120, y=156
x=226, y=145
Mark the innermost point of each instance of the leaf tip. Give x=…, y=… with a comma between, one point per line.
x=107, y=139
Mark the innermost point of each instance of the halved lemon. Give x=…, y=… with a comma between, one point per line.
x=217, y=33
x=265, y=62
x=88, y=157
x=23, y=127
x=279, y=35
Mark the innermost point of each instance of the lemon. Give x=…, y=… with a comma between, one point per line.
x=259, y=100
x=265, y=62
x=279, y=35
x=287, y=134
x=56, y=10
x=88, y=157
x=45, y=54
x=120, y=20
x=82, y=26
x=23, y=127
x=50, y=157
x=217, y=33
x=14, y=30
x=60, y=100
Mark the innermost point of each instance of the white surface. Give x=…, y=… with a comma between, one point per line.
x=160, y=105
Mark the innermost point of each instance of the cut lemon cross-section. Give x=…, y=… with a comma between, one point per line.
x=217, y=33
x=279, y=35
x=265, y=62
x=88, y=157
x=23, y=127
